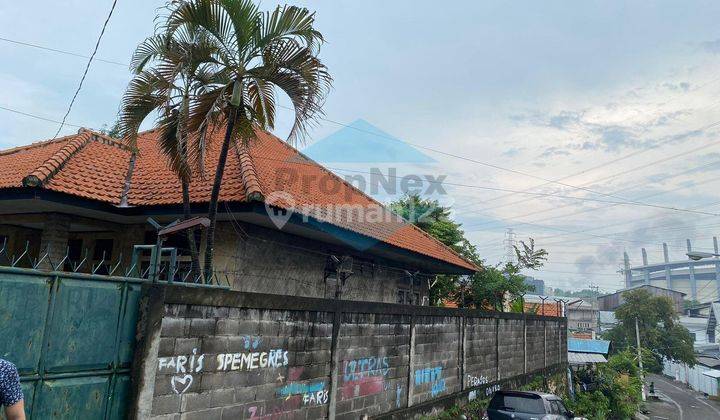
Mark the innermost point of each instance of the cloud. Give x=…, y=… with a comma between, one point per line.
x=554, y=151
x=513, y=152
x=681, y=87
x=713, y=47
x=564, y=119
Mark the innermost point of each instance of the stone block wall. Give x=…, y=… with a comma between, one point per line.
x=535, y=339
x=373, y=354
x=480, y=351
x=511, y=347
x=209, y=353
x=436, y=364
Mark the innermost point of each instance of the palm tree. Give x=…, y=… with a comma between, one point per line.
x=169, y=72
x=258, y=53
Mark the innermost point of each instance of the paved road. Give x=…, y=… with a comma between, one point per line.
x=679, y=402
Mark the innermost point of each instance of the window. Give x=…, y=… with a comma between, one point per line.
x=406, y=297
x=103, y=249
x=526, y=404
x=74, y=253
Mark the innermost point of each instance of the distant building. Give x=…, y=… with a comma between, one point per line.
x=538, y=286
x=697, y=327
x=587, y=352
x=543, y=305
x=582, y=315
x=612, y=301
x=699, y=280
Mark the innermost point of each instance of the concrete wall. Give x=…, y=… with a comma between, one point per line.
x=262, y=260
x=251, y=258
x=213, y=353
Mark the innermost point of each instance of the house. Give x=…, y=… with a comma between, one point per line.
x=697, y=327
x=542, y=305
x=612, y=301
x=587, y=352
x=286, y=225
x=583, y=315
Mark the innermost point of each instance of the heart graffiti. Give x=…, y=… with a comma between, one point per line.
x=185, y=381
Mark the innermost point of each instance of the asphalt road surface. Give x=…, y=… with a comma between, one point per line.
x=679, y=402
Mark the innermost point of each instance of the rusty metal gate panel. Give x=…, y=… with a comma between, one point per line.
x=72, y=338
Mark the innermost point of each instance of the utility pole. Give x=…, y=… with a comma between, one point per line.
x=639, y=355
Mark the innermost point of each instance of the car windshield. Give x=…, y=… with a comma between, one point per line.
x=518, y=404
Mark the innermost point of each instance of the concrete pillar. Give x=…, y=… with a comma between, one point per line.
x=691, y=267
x=54, y=239
x=717, y=268
x=668, y=276
x=628, y=273
x=646, y=272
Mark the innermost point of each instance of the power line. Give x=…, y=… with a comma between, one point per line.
x=87, y=68
x=629, y=202
x=615, y=175
x=90, y=58
x=15, y=111
x=548, y=181
x=27, y=44
x=512, y=192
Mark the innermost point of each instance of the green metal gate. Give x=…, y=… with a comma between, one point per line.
x=72, y=338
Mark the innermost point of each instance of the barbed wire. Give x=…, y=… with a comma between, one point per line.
x=47, y=260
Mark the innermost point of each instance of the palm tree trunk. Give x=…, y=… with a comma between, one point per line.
x=192, y=243
x=215, y=195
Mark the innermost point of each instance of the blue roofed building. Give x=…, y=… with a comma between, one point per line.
x=583, y=352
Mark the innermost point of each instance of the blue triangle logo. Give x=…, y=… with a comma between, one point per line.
x=362, y=142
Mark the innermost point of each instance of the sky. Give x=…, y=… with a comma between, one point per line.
x=614, y=101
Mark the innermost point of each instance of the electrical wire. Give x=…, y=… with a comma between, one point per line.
x=28, y=44
x=87, y=68
x=15, y=111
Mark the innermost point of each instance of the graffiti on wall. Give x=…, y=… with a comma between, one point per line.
x=476, y=380
x=252, y=360
x=481, y=380
x=314, y=393
x=183, y=367
x=432, y=376
x=364, y=377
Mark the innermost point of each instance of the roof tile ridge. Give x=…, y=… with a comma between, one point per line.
x=447, y=247
x=36, y=144
x=54, y=163
x=110, y=141
x=248, y=174
x=413, y=226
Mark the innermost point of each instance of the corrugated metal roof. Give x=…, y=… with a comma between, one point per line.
x=710, y=362
x=583, y=358
x=713, y=373
x=588, y=346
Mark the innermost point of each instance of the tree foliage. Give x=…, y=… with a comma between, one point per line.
x=614, y=390
x=238, y=60
x=660, y=330
x=528, y=256
x=491, y=286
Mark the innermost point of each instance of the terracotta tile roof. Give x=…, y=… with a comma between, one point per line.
x=97, y=167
